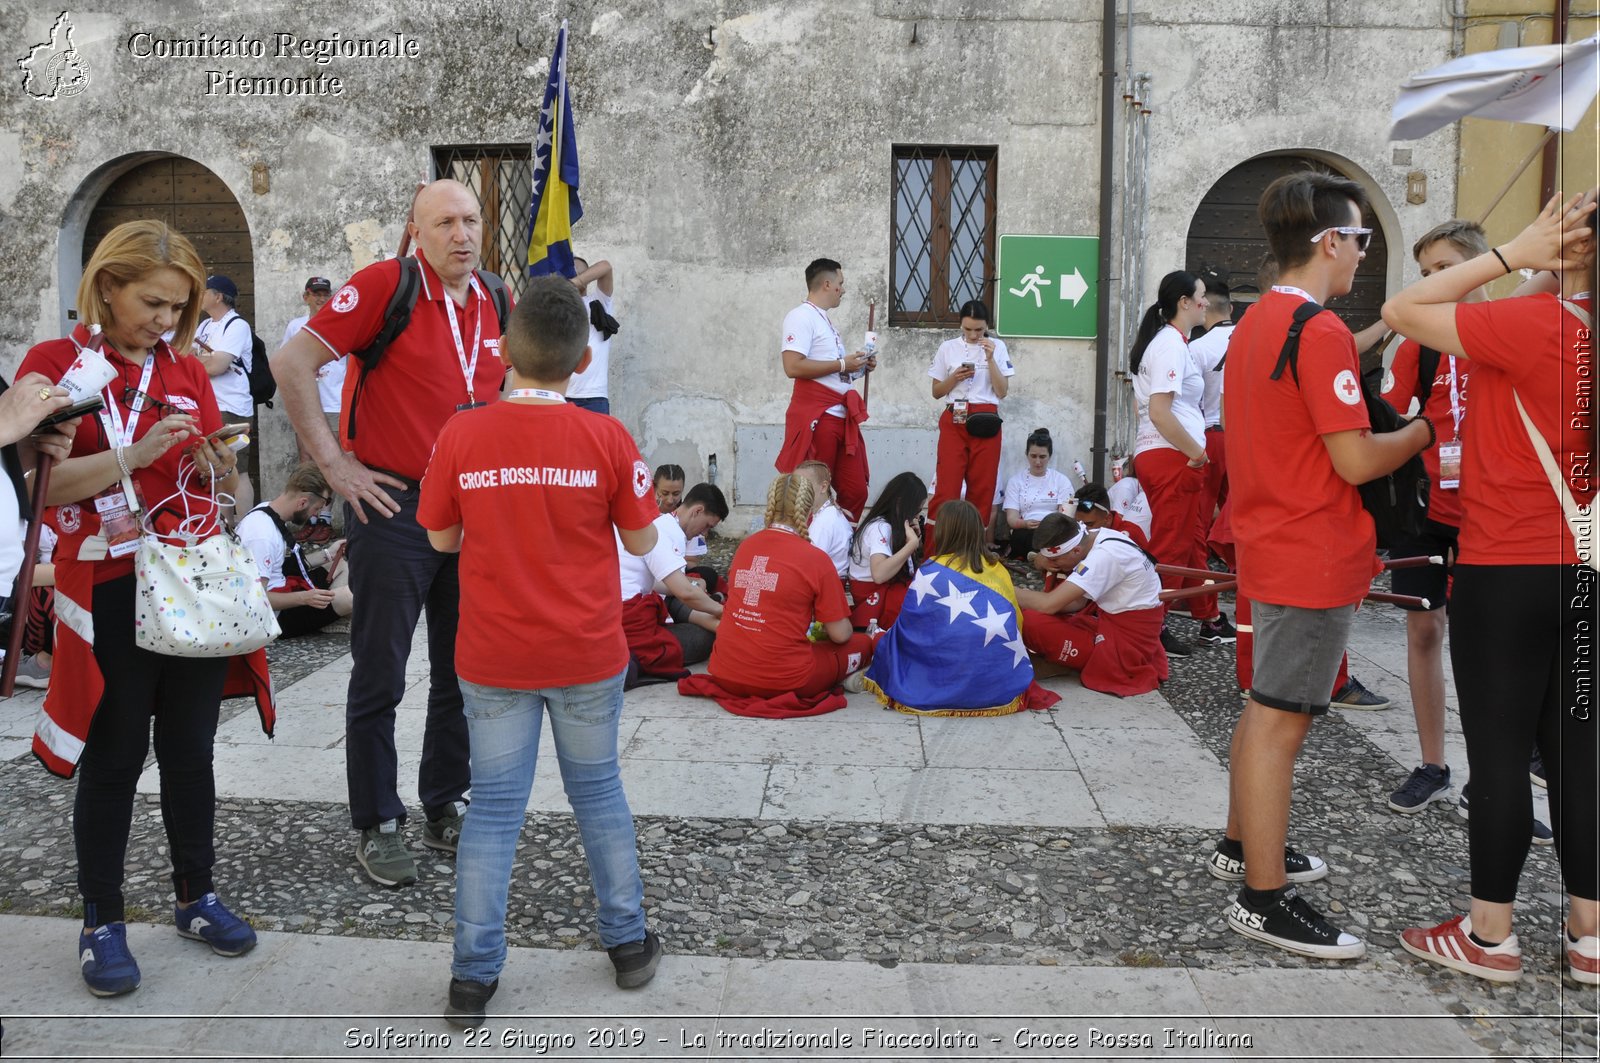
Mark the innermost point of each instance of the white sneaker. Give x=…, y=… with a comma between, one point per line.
x=856, y=682
x=30, y=673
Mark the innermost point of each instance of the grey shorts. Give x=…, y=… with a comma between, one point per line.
x=1297, y=654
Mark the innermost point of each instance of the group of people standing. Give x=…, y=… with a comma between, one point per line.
x=468, y=449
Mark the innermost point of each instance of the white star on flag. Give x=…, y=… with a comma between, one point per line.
x=994, y=625
x=958, y=602
x=1016, y=647
x=923, y=585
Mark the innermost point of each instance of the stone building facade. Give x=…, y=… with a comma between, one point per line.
x=723, y=144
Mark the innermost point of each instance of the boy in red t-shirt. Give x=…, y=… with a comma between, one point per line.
x=1298, y=446
x=528, y=490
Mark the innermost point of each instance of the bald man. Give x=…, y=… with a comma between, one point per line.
x=445, y=360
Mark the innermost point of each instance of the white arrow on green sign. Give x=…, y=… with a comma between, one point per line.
x=1048, y=286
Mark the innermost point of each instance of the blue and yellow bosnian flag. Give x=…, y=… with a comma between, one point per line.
x=956, y=648
x=555, y=205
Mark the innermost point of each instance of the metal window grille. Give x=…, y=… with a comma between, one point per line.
x=501, y=176
x=942, y=232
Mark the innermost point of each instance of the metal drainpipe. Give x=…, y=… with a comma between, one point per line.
x=1102, y=368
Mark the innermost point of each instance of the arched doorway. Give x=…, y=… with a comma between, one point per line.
x=191, y=199
x=1225, y=235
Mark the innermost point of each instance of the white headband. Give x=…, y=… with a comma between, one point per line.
x=1061, y=548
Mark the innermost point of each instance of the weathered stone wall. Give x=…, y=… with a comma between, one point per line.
x=723, y=145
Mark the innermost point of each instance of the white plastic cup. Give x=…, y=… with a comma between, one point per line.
x=87, y=375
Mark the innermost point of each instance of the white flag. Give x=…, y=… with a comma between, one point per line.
x=1551, y=85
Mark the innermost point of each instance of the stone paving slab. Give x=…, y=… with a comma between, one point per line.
x=277, y=1000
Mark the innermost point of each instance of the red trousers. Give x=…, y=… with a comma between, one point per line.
x=963, y=458
x=849, y=470
x=876, y=601
x=1215, y=491
x=830, y=663
x=1174, y=491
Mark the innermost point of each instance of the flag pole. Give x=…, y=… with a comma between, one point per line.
x=1518, y=172
x=866, y=383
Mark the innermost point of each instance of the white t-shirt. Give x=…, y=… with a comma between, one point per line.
x=232, y=385
x=695, y=548
x=641, y=574
x=875, y=539
x=1128, y=498
x=808, y=330
x=1034, y=496
x=260, y=535
x=830, y=532
x=594, y=382
x=1116, y=575
x=330, y=375
x=1207, y=352
x=1168, y=368
x=13, y=530
x=952, y=353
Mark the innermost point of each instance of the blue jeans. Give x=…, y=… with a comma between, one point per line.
x=599, y=404
x=504, y=728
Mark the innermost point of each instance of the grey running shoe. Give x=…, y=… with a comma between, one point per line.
x=1428, y=783
x=1355, y=696
x=383, y=855
x=444, y=833
x=30, y=673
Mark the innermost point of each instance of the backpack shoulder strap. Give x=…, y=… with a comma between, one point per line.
x=395, y=319
x=1427, y=369
x=499, y=293
x=1289, y=356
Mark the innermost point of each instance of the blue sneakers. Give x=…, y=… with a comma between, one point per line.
x=107, y=965
x=207, y=920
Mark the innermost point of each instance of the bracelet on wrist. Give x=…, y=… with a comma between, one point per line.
x=122, y=461
x=1496, y=252
x=842, y=369
x=1433, y=435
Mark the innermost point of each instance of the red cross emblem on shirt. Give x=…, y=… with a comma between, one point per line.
x=754, y=580
x=1349, y=388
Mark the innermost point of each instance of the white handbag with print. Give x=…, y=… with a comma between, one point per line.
x=201, y=596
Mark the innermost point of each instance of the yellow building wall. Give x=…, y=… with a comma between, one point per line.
x=1491, y=151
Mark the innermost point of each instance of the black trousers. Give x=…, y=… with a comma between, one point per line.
x=396, y=576
x=1522, y=645
x=182, y=696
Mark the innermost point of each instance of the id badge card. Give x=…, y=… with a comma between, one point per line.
x=119, y=524
x=469, y=406
x=1450, y=464
x=958, y=411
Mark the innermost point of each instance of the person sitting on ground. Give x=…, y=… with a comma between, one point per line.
x=669, y=619
x=1100, y=613
x=1092, y=507
x=830, y=528
x=1034, y=492
x=668, y=482
x=303, y=606
x=764, y=662
x=883, y=554
x=956, y=649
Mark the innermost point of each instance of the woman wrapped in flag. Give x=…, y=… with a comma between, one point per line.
x=1099, y=613
x=957, y=649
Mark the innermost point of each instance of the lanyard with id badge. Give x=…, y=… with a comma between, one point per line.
x=469, y=368
x=119, y=505
x=1450, y=453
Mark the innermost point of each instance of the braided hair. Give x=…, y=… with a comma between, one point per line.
x=789, y=501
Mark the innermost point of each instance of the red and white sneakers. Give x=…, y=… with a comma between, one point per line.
x=1583, y=959
x=1449, y=946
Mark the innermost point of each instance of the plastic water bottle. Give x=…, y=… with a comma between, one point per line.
x=711, y=471
x=1077, y=467
x=873, y=630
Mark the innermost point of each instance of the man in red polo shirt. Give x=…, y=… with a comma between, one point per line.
x=446, y=360
x=1298, y=446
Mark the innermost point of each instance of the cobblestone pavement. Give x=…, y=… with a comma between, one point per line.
x=890, y=893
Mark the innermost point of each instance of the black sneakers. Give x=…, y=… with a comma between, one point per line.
x=1227, y=863
x=1288, y=922
x=1218, y=629
x=467, y=1000
x=1174, y=646
x=1428, y=783
x=636, y=961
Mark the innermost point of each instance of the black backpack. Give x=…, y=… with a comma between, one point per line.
x=1397, y=502
x=398, y=315
x=263, y=386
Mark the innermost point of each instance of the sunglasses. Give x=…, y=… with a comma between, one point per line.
x=1085, y=506
x=1363, y=236
x=137, y=400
